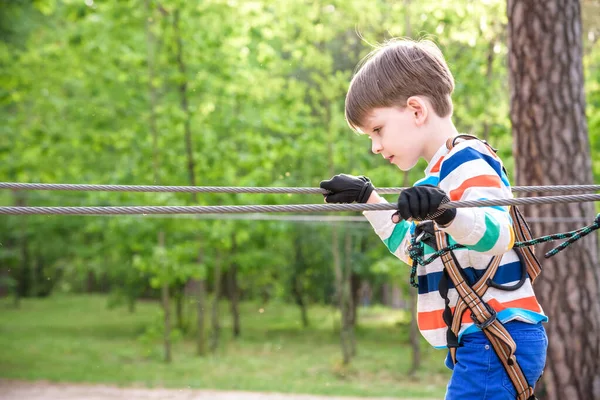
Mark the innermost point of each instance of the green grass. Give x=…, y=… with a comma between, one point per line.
x=77, y=339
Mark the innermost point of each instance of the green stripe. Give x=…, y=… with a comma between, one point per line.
x=397, y=236
x=490, y=237
x=428, y=250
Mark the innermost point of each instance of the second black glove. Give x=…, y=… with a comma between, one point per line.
x=422, y=203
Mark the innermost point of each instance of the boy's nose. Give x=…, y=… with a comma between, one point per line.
x=376, y=148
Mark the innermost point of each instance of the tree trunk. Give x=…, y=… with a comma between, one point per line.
x=551, y=147
x=355, y=284
x=335, y=248
x=232, y=288
x=179, y=297
x=339, y=298
x=214, y=337
x=347, y=296
x=183, y=95
x=414, y=334
x=299, y=299
x=166, y=308
x=296, y=281
x=167, y=319
x=201, y=299
x=150, y=42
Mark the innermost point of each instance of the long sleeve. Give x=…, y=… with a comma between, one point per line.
x=394, y=236
x=470, y=171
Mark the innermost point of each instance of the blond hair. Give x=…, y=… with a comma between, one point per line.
x=395, y=71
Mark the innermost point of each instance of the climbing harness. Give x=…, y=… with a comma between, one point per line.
x=470, y=296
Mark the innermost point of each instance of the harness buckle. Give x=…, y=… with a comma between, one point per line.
x=487, y=322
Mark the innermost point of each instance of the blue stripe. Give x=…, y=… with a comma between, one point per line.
x=506, y=273
x=430, y=180
x=469, y=154
x=510, y=314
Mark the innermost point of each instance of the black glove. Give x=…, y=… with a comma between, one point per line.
x=422, y=202
x=347, y=189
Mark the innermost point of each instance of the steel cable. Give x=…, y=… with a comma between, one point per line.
x=235, y=189
x=294, y=208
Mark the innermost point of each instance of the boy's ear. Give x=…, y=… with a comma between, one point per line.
x=418, y=107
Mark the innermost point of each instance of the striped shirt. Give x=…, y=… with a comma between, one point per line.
x=470, y=171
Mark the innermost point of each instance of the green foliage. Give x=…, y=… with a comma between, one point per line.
x=82, y=81
x=266, y=83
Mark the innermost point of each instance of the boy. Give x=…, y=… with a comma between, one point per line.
x=401, y=99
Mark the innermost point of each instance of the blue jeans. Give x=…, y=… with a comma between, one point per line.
x=478, y=373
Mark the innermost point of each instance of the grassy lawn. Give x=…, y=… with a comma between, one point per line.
x=77, y=339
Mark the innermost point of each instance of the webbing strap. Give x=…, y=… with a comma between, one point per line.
x=484, y=317
x=480, y=288
x=523, y=234
x=520, y=227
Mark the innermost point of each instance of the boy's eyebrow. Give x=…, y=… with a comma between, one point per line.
x=370, y=123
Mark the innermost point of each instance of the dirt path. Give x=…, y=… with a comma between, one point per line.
x=13, y=390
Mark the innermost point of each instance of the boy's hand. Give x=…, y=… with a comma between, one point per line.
x=422, y=203
x=344, y=188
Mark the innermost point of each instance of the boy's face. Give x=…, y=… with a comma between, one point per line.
x=395, y=134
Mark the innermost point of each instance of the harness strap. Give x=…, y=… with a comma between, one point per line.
x=480, y=288
x=520, y=226
x=523, y=234
x=484, y=317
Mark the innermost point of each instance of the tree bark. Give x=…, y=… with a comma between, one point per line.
x=552, y=147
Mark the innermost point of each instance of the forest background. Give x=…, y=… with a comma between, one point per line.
x=221, y=93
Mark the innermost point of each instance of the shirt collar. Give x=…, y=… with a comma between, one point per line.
x=436, y=159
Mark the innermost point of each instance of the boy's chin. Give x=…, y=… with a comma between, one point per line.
x=404, y=167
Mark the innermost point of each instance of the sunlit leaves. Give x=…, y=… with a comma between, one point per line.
x=266, y=82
